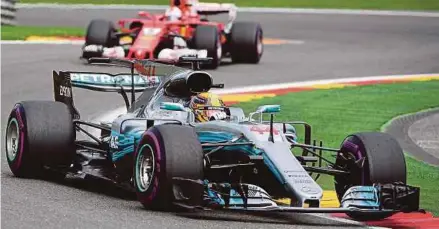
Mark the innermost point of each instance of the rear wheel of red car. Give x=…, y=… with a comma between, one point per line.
x=38, y=134
x=100, y=32
x=165, y=152
x=246, y=42
x=208, y=38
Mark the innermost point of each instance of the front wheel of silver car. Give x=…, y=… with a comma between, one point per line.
x=369, y=158
x=166, y=152
x=145, y=166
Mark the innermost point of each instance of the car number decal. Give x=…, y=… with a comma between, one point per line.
x=65, y=91
x=114, y=142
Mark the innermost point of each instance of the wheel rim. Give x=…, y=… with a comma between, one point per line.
x=259, y=45
x=12, y=139
x=219, y=51
x=145, y=167
x=357, y=176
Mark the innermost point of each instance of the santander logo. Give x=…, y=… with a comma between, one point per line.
x=263, y=129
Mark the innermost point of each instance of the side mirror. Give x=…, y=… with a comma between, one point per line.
x=178, y=107
x=268, y=109
x=143, y=14
x=172, y=106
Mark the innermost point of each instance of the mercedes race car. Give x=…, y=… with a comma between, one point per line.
x=238, y=162
x=183, y=30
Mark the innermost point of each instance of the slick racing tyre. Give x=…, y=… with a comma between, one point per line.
x=246, y=42
x=166, y=152
x=39, y=133
x=100, y=32
x=370, y=157
x=208, y=38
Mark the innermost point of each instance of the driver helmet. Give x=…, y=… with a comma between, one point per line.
x=173, y=13
x=190, y=6
x=207, y=99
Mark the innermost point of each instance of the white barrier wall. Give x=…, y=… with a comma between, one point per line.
x=8, y=12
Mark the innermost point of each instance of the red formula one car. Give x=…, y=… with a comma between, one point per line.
x=183, y=30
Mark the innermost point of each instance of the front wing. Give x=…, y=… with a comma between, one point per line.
x=387, y=198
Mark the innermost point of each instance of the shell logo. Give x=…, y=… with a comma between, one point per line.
x=125, y=40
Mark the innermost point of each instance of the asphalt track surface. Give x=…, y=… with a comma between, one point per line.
x=418, y=134
x=334, y=47
x=425, y=133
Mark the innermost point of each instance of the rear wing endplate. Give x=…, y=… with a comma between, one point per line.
x=62, y=90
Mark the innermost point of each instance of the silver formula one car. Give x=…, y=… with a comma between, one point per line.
x=240, y=163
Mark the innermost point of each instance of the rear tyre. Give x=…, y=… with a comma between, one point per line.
x=384, y=162
x=208, y=37
x=39, y=133
x=246, y=42
x=100, y=32
x=164, y=152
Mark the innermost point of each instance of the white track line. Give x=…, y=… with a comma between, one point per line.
x=240, y=9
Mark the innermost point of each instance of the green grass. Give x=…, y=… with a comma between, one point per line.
x=341, y=4
x=335, y=113
x=21, y=32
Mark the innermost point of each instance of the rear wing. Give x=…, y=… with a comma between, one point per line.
x=204, y=8
x=121, y=83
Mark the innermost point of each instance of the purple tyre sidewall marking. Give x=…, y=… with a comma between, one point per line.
x=16, y=162
x=150, y=194
x=356, y=150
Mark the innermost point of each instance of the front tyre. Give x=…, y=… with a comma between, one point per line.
x=165, y=152
x=100, y=32
x=370, y=157
x=208, y=38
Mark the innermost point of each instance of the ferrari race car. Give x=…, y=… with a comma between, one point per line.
x=238, y=163
x=183, y=30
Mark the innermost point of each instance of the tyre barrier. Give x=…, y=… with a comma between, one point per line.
x=8, y=12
